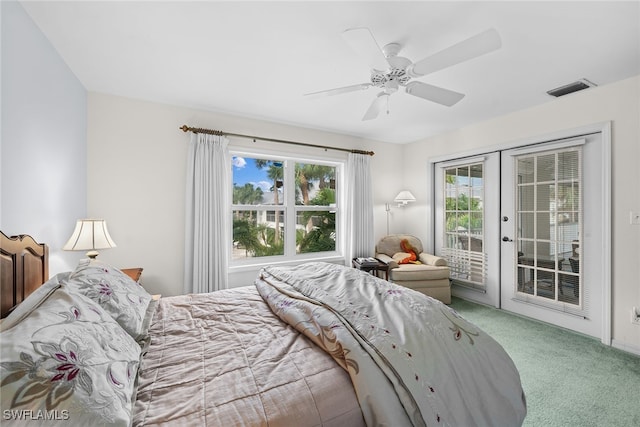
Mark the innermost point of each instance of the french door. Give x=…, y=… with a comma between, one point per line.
x=524, y=228
x=552, y=235
x=466, y=223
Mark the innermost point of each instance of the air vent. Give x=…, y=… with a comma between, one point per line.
x=571, y=87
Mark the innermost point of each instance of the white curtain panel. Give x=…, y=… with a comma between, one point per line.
x=208, y=220
x=359, y=207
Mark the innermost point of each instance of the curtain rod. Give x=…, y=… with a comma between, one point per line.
x=186, y=128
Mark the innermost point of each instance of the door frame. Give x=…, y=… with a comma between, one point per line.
x=604, y=128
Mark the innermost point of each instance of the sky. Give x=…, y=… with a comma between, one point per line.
x=246, y=171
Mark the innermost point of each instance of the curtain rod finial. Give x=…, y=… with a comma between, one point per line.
x=184, y=128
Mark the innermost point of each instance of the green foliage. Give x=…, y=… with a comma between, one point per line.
x=305, y=175
x=247, y=194
x=464, y=221
x=318, y=234
x=256, y=239
x=463, y=213
x=270, y=246
x=462, y=203
x=321, y=237
x=244, y=232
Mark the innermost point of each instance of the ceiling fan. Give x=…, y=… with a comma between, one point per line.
x=389, y=71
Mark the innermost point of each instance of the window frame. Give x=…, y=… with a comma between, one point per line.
x=291, y=210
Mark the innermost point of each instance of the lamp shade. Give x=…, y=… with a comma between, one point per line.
x=90, y=234
x=404, y=197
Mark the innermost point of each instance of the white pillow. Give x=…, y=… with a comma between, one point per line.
x=32, y=302
x=70, y=361
x=119, y=295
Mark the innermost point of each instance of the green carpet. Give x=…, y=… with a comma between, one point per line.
x=569, y=379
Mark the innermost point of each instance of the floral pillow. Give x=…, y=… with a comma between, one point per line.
x=124, y=299
x=69, y=363
x=36, y=298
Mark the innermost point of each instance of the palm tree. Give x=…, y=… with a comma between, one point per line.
x=305, y=175
x=244, y=232
x=276, y=174
x=320, y=238
x=247, y=195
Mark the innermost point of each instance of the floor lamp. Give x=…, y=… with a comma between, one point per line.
x=402, y=199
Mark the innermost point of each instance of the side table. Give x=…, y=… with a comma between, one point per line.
x=134, y=273
x=374, y=269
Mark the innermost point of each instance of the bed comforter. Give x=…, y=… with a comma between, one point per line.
x=412, y=360
x=224, y=359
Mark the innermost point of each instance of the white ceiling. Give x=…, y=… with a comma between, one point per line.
x=257, y=59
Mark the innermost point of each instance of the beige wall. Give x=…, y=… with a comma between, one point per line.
x=136, y=171
x=618, y=103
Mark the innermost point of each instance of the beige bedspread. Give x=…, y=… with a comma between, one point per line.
x=413, y=361
x=224, y=359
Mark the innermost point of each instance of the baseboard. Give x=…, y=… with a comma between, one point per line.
x=625, y=347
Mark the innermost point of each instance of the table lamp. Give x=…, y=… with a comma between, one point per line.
x=90, y=234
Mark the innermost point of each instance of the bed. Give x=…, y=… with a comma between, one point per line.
x=314, y=344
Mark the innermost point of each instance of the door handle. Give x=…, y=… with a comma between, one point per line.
x=506, y=239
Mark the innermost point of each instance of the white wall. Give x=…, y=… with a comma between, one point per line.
x=137, y=175
x=43, y=149
x=618, y=102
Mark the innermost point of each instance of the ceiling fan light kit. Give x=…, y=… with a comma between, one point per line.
x=389, y=71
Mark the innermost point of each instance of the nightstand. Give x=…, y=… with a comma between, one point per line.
x=372, y=268
x=134, y=273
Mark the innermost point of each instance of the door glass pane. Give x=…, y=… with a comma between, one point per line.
x=545, y=167
x=527, y=225
x=464, y=223
x=450, y=221
x=525, y=280
x=525, y=170
x=549, y=223
x=475, y=231
x=568, y=166
x=545, y=197
x=526, y=198
x=526, y=250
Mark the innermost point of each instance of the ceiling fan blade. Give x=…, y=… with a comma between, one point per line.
x=362, y=42
x=475, y=46
x=376, y=106
x=434, y=93
x=340, y=90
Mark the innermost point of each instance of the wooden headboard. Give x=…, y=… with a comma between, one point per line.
x=24, y=266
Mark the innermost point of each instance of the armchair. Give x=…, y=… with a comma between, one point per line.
x=430, y=276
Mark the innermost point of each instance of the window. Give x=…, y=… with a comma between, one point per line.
x=283, y=207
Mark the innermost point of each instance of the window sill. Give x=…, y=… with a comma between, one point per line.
x=257, y=265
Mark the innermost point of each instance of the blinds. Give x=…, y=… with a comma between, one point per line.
x=549, y=224
x=467, y=268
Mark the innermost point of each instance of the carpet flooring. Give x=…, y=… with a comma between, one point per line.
x=569, y=379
